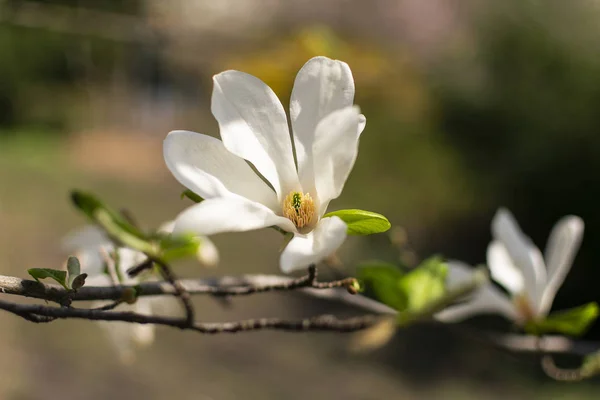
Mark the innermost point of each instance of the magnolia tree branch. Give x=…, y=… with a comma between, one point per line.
x=41, y=313
x=219, y=287
x=227, y=286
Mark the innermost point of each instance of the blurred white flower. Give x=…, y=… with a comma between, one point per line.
x=254, y=130
x=531, y=280
x=107, y=266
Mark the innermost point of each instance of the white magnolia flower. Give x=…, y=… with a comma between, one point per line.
x=96, y=252
x=254, y=132
x=531, y=280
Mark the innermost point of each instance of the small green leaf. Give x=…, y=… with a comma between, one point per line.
x=178, y=246
x=383, y=281
x=73, y=270
x=43, y=273
x=192, y=196
x=425, y=284
x=78, y=281
x=574, y=321
x=123, y=236
x=117, y=226
x=361, y=222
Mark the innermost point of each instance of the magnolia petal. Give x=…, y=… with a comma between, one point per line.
x=125, y=336
x=324, y=240
x=89, y=236
x=523, y=253
x=322, y=86
x=503, y=269
x=362, y=122
x=458, y=273
x=203, y=164
x=486, y=299
x=334, y=152
x=208, y=254
x=563, y=243
x=253, y=126
x=143, y=334
x=90, y=245
x=233, y=214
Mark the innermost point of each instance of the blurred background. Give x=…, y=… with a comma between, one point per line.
x=470, y=105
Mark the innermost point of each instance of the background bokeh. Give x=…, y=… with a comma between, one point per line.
x=470, y=105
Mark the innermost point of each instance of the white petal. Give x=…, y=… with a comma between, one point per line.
x=166, y=227
x=125, y=336
x=89, y=236
x=253, y=126
x=334, y=152
x=458, y=273
x=88, y=244
x=208, y=254
x=503, y=270
x=143, y=334
x=362, y=122
x=524, y=254
x=324, y=240
x=487, y=299
x=203, y=164
x=228, y=215
x=321, y=87
x=561, y=249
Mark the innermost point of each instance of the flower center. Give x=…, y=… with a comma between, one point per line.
x=299, y=208
x=524, y=308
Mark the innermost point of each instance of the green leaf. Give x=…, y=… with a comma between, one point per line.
x=43, y=273
x=117, y=226
x=425, y=284
x=192, y=196
x=174, y=247
x=574, y=321
x=73, y=270
x=123, y=236
x=78, y=281
x=383, y=280
x=361, y=222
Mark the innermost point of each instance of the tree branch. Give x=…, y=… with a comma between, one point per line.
x=323, y=323
x=220, y=287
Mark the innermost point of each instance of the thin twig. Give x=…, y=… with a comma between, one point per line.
x=180, y=291
x=222, y=287
x=323, y=323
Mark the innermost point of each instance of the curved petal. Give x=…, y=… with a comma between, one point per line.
x=488, y=300
x=253, y=126
x=203, y=164
x=322, y=86
x=233, y=214
x=334, y=152
x=126, y=336
x=89, y=236
x=503, y=269
x=561, y=249
x=458, y=273
x=362, y=122
x=88, y=244
x=523, y=253
x=208, y=254
x=303, y=250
